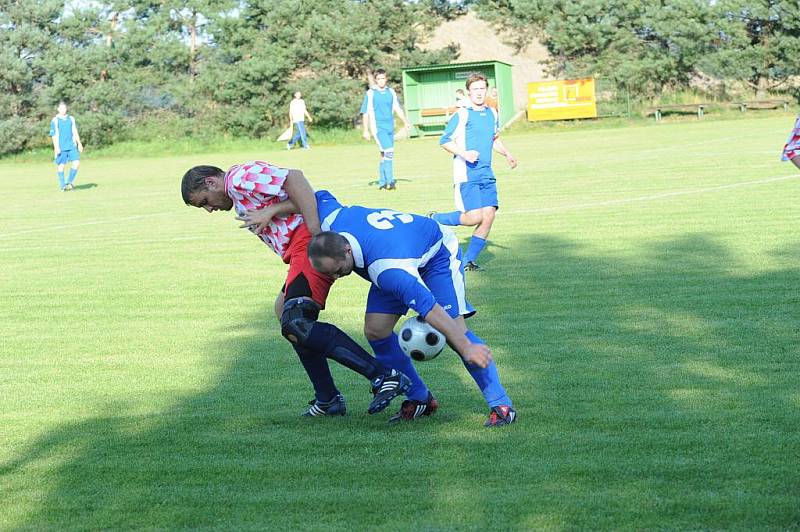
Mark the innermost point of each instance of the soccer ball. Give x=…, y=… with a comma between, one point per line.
x=419, y=340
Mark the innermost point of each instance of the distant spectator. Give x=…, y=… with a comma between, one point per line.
x=491, y=99
x=297, y=115
x=66, y=145
x=461, y=99
x=791, y=150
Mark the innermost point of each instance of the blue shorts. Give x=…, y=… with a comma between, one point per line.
x=385, y=139
x=444, y=277
x=67, y=156
x=476, y=194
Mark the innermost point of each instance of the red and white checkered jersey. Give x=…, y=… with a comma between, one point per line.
x=792, y=147
x=255, y=185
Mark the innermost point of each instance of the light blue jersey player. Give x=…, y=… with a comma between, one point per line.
x=412, y=262
x=377, y=110
x=66, y=145
x=471, y=135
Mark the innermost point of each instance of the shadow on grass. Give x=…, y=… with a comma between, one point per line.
x=656, y=392
x=85, y=186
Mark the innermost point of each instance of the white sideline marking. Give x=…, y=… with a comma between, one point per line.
x=650, y=197
x=577, y=206
x=83, y=224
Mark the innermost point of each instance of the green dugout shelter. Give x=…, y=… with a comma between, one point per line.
x=429, y=92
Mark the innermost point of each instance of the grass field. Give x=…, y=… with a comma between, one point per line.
x=641, y=299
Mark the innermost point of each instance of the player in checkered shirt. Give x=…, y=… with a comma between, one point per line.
x=260, y=186
x=791, y=150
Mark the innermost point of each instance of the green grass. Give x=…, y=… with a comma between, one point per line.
x=641, y=299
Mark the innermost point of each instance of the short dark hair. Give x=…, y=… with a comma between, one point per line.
x=327, y=244
x=195, y=180
x=380, y=71
x=476, y=76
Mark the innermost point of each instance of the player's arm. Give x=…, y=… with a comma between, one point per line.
x=301, y=199
x=450, y=145
x=54, y=136
x=365, y=121
x=302, y=196
x=76, y=136
x=365, y=116
x=502, y=150
x=455, y=333
x=413, y=293
x=258, y=219
x=399, y=112
x=305, y=111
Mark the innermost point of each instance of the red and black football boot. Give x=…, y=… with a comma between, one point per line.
x=412, y=409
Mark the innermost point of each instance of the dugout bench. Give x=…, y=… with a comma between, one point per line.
x=436, y=116
x=763, y=104
x=694, y=108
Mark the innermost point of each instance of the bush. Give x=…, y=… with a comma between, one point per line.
x=17, y=134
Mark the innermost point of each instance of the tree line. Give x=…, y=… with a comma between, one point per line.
x=647, y=46
x=228, y=67
x=204, y=67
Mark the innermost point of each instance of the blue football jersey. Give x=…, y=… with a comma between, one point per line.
x=383, y=102
x=389, y=247
x=63, y=126
x=472, y=129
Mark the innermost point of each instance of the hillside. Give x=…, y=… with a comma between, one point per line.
x=478, y=41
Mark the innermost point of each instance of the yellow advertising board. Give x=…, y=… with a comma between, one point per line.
x=561, y=99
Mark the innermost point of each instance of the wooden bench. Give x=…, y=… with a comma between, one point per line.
x=763, y=104
x=438, y=111
x=658, y=110
x=432, y=112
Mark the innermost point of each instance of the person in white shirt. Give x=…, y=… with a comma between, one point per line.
x=297, y=115
x=461, y=99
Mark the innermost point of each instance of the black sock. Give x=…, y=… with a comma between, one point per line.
x=336, y=345
x=319, y=373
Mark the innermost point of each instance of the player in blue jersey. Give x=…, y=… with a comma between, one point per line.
x=471, y=135
x=378, y=109
x=412, y=262
x=66, y=145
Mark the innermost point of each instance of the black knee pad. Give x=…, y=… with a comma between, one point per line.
x=299, y=316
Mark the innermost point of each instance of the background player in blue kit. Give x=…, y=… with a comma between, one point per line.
x=471, y=135
x=378, y=109
x=66, y=145
x=412, y=262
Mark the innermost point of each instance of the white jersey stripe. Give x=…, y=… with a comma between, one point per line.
x=328, y=221
x=355, y=247
x=451, y=243
x=411, y=266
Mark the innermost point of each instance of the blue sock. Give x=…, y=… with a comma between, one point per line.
x=61, y=179
x=389, y=169
x=388, y=352
x=476, y=244
x=448, y=218
x=488, y=379
x=72, y=173
x=382, y=173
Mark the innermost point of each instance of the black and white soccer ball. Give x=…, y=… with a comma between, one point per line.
x=419, y=340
